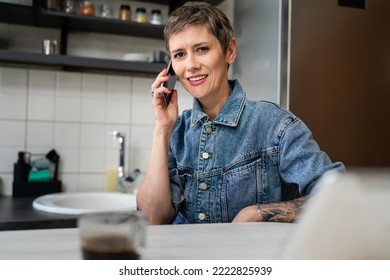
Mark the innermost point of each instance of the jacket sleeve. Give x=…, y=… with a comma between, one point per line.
x=302, y=162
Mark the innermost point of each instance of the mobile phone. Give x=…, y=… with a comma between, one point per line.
x=170, y=84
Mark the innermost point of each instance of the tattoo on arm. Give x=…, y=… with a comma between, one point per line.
x=284, y=212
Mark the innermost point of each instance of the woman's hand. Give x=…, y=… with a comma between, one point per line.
x=165, y=116
x=247, y=214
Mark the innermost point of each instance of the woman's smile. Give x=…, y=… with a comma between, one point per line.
x=197, y=80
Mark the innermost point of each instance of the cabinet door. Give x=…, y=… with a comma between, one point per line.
x=339, y=81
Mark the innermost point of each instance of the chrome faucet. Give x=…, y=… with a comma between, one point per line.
x=123, y=181
x=121, y=166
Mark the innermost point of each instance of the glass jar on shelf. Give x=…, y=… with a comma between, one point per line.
x=125, y=12
x=52, y=5
x=68, y=6
x=87, y=8
x=156, y=17
x=106, y=11
x=140, y=15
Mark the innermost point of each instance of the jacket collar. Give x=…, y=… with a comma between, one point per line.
x=231, y=111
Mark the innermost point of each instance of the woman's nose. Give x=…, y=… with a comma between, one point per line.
x=192, y=63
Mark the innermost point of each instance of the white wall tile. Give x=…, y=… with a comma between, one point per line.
x=41, y=107
x=91, y=183
x=68, y=108
x=69, y=84
x=67, y=135
x=91, y=160
x=13, y=80
x=141, y=88
x=141, y=137
x=93, y=110
x=69, y=160
x=119, y=87
x=13, y=133
x=142, y=112
x=118, y=111
x=9, y=156
x=92, y=136
x=40, y=134
x=94, y=86
x=70, y=182
x=111, y=157
x=13, y=106
x=42, y=82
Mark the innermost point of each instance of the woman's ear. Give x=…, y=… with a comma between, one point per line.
x=231, y=51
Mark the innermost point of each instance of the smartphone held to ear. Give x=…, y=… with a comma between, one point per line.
x=170, y=83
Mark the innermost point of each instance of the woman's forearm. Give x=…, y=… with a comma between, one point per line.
x=282, y=212
x=154, y=195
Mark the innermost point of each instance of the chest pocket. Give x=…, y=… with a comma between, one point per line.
x=251, y=182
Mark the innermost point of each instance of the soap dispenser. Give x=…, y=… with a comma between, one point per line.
x=21, y=169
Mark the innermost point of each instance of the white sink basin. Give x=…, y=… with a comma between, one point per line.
x=80, y=203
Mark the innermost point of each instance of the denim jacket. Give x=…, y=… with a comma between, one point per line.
x=245, y=156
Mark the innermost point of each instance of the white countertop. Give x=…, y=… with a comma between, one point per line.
x=169, y=242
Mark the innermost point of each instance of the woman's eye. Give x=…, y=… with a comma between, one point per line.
x=202, y=49
x=178, y=55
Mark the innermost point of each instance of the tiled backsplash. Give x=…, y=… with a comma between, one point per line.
x=75, y=113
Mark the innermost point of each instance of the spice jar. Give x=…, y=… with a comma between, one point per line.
x=106, y=11
x=87, y=9
x=140, y=15
x=68, y=6
x=125, y=12
x=52, y=5
x=156, y=17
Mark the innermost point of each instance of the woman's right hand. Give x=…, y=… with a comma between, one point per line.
x=165, y=116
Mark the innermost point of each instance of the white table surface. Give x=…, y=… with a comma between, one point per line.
x=165, y=242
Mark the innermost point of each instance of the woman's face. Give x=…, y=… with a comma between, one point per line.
x=200, y=63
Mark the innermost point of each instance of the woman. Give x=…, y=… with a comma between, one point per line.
x=228, y=159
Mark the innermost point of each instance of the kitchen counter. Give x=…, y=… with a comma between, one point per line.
x=163, y=242
x=17, y=213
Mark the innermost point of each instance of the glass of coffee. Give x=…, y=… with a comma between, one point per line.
x=112, y=235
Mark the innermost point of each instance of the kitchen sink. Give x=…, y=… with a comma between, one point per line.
x=80, y=203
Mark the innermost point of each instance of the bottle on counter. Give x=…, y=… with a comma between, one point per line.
x=156, y=17
x=125, y=12
x=87, y=9
x=140, y=15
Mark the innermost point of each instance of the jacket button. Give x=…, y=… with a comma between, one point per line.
x=203, y=186
x=208, y=129
x=205, y=155
x=202, y=216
